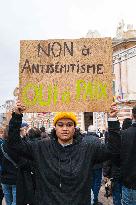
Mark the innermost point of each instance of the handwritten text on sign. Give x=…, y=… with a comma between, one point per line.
x=70, y=75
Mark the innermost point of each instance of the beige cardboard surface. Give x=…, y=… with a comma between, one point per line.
x=66, y=75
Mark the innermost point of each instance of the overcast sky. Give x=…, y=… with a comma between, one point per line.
x=51, y=19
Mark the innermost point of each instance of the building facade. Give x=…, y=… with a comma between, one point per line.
x=124, y=69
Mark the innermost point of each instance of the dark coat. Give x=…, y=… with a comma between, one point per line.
x=8, y=170
x=110, y=169
x=63, y=174
x=100, y=165
x=128, y=157
x=26, y=184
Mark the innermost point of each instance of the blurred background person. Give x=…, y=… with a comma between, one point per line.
x=96, y=172
x=24, y=129
x=34, y=134
x=8, y=174
x=113, y=172
x=43, y=132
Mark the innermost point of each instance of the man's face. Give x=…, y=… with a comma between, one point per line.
x=23, y=131
x=65, y=130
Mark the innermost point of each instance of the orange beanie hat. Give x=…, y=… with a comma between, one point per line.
x=61, y=115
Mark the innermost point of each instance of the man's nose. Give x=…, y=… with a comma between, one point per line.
x=65, y=127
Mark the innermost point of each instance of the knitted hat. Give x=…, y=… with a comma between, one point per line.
x=24, y=124
x=68, y=115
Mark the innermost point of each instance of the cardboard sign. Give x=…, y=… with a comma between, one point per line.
x=66, y=75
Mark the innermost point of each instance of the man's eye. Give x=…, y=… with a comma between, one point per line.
x=67, y=124
x=60, y=125
x=70, y=124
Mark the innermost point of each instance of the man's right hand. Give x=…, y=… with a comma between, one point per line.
x=113, y=110
x=19, y=108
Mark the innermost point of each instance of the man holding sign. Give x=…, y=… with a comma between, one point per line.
x=63, y=75
x=64, y=162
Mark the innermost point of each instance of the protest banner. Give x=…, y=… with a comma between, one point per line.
x=66, y=75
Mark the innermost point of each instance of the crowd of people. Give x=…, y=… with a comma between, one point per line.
x=67, y=166
x=9, y=169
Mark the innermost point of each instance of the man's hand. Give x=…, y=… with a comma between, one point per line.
x=113, y=110
x=19, y=108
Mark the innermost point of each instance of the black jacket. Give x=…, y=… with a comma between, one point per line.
x=63, y=174
x=26, y=184
x=100, y=165
x=8, y=170
x=110, y=169
x=128, y=157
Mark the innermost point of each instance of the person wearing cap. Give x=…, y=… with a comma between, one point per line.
x=63, y=163
x=23, y=129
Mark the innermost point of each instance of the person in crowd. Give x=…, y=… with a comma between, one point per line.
x=24, y=129
x=16, y=177
x=8, y=174
x=43, y=132
x=34, y=134
x=128, y=161
x=111, y=170
x=26, y=172
x=96, y=171
x=111, y=173
x=63, y=162
x=127, y=122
